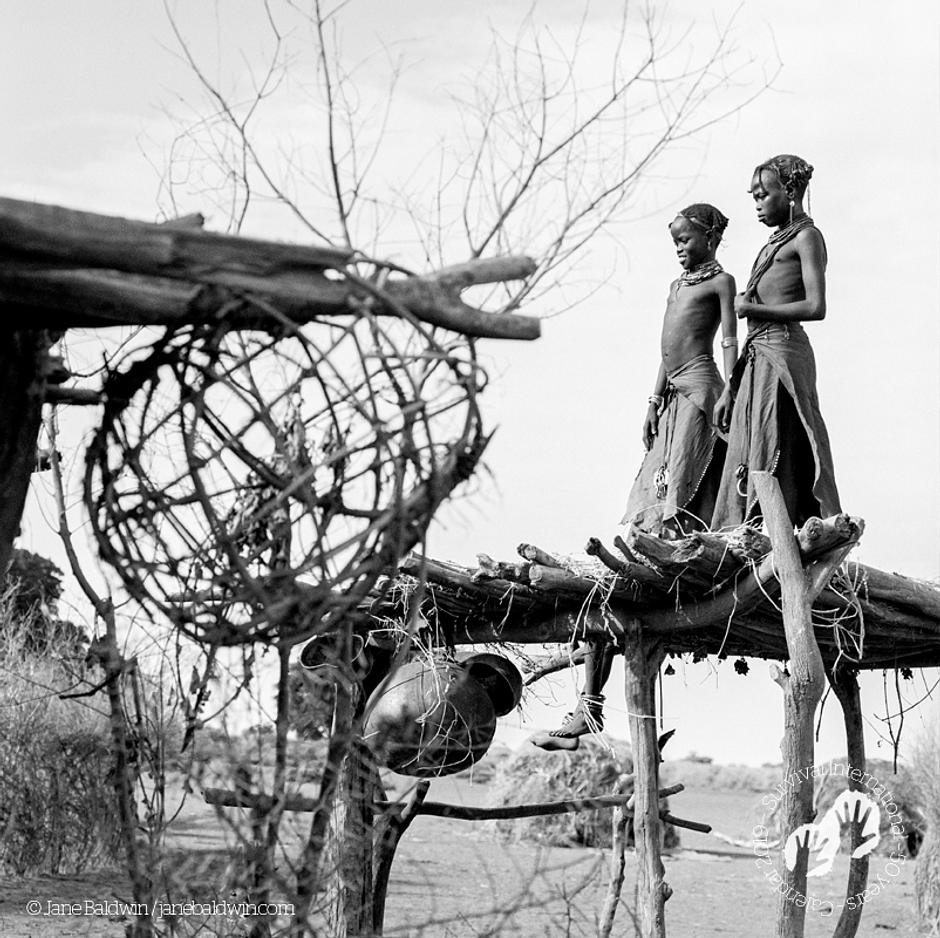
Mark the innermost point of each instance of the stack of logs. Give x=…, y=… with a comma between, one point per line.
x=707, y=593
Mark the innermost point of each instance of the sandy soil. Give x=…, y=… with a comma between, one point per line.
x=452, y=881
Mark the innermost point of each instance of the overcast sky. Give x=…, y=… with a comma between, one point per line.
x=94, y=98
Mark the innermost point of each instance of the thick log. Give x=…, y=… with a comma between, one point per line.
x=628, y=569
x=87, y=239
x=748, y=541
x=615, y=589
x=621, y=545
x=63, y=264
x=820, y=535
x=537, y=555
x=895, y=589
x=721, y=555
x=661, y=554
x=489, y=569
x=596, y=548
x=461, y=582
x=557, y=579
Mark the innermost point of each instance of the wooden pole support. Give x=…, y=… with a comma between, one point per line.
x=641, y=667
x=802, y=689
x=845, y=685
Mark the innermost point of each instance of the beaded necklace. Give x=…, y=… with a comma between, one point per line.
x=700, y=274
x=776, y=241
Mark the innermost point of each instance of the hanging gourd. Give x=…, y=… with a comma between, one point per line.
x=435, y=717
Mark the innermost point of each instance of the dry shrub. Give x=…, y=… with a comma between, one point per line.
x=925, y=774
x=57, y=806
x=534, y=775
x=694, y=773
x=488, y=769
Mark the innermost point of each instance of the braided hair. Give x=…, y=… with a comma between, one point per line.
x=706, y=217
x=793, y=172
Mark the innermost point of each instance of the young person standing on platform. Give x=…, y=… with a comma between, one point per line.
x=674, y=492
x=770, y=408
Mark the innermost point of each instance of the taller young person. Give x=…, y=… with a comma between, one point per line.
x=771, y=408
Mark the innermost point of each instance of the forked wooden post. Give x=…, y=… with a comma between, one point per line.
x=641, y=669
x=802, y=686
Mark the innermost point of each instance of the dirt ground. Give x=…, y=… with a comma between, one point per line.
x=452, y=880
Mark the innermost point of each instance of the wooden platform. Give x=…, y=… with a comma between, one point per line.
x=707, y=594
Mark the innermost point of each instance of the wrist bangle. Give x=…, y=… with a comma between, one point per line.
x=656, y=399
x=728, y=341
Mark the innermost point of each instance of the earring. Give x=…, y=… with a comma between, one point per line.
x=791, y=211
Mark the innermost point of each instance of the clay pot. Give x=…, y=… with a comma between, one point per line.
x=499, y=677
x=432, y=719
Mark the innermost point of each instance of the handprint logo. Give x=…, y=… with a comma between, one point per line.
x=823, y=839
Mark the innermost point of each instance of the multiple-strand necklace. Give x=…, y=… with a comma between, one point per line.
x=776, y=241
x=700, y=273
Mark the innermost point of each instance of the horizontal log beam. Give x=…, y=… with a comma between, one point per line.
x=71, y=268
x=895, y=589
x=88, y=239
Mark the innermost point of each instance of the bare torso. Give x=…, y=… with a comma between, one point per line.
x=783, y=282
x=693, y=312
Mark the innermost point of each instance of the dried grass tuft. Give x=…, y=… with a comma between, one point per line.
x=534, y=775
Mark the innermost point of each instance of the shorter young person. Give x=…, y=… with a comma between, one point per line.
x=674, y=492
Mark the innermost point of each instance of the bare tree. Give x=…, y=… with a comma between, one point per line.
x=554, y=135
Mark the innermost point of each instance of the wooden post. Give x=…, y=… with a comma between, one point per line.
x=641, y=669
x=802, y=687
x=23, y=356
x=622, y=817
x=259, y=865
x=349, y=856
x=845, y=685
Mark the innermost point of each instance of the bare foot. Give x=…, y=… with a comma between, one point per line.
x=587, y=717
x=550, y=742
